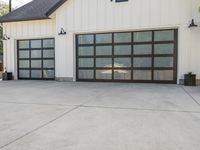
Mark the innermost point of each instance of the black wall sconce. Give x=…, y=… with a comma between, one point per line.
x=5, y=37
x=62, y=32
x=192, y=24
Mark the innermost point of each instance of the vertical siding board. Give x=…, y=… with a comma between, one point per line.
x=144, y=15
x=135, y=15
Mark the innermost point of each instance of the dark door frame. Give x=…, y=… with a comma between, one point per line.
x=174, y=55
x=29, y=59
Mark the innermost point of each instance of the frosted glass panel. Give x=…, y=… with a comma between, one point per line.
x=36, y=63
x=142, y=75
x=142, y=49
x=104, y=38
x=122, y=50
x=164, y=48
x=122, y=37
x=86, y=62
x=167, y=35
x=23, y=54
x=163, y=62
x=49, y=74
x=86, y=51
x=23, y=44
x=163, y=75
x=122, y=62
x=104, y=62
x=122, y=74
x=24, y=73
x=142, y=36
x=36, y=54
x=36, y=43
x=48, y=63
x=103, y=50
x=36, y=74
x=48, y=53
x=86, y=39
x=24, y=64
x=104, y=74
x=86, y=74
x=142, y=62
x=48, y=43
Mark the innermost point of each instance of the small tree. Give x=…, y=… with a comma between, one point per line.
x=4, y=9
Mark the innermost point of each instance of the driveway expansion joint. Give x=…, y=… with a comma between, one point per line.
x=141, y=109
x=190, y=95
x=39, y=127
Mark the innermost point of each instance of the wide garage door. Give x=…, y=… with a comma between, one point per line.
x=144, y=56
x=36, y=59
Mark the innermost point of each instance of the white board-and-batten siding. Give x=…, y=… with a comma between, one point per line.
x=91, y=16
x=24, y=30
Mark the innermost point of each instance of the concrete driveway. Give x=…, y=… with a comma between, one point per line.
x=45, y=115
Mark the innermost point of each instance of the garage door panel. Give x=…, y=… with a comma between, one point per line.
x=128, y=56
x=104, y=74
x=167, y=35
x=24, y=73
x=86, y=39
x=36, y=43
x=23, y=44
x=104, y=38
x=122, y=74
x=36, y=73
x=103, y=50
x=142, y=36
x=86, y=51
x=166, y=75
x=122, y=50
x=24, y=64
x=23, y=54
x=36, y=59
x=36, y=53
x=164, y=48
x=142, y=49
x=122, y=38
x=142, y=75
x=48, y=53
x=86, y=74
x=142, y=62
x=124, y=62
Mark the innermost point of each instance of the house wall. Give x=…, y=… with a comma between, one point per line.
x=85, y=16
x=78, y=16
x=24, y=30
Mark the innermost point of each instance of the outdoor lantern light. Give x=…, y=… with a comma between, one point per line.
x=192, y=24
x=62, y=32
x=5, y=37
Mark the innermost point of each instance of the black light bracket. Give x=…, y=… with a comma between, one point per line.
x=5, y=37
x=192, y=24
x=62, y=32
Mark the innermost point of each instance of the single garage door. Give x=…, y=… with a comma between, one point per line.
x=144, y=56
x=36, y=59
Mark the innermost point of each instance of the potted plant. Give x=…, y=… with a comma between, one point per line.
x=7, y=75
x=190, y=79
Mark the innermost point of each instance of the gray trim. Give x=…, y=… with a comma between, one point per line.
x=64, y=79
x=20, y=20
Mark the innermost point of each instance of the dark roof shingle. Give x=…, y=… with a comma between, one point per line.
x=35, y=10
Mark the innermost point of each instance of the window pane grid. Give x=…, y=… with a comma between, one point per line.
x=38, y=52
x=140, y=52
